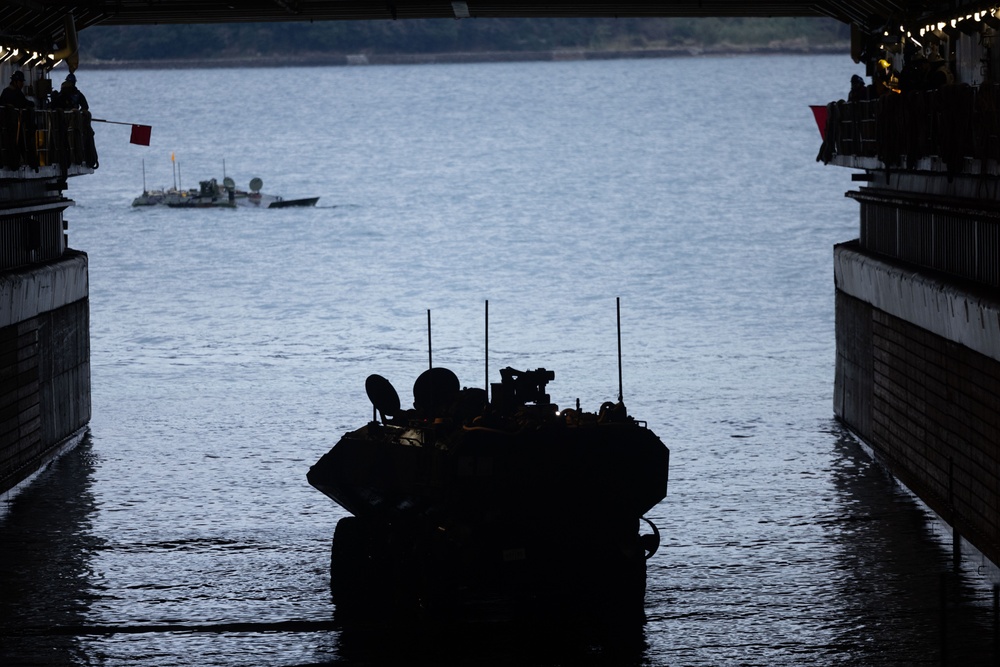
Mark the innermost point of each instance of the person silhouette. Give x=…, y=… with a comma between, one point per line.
x=69, y=96
x=13, y=95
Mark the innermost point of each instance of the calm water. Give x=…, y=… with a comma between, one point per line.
x=230, y=349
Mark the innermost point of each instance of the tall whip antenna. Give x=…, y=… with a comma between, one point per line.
x=487, y=345
x=618, y=308
x=430, y=357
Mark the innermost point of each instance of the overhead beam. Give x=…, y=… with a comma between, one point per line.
x=41, y=20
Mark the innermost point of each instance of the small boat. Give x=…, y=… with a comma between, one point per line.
x=504, y=508
x=210, y=194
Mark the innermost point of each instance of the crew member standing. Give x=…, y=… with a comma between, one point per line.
x=13, y=95
x=69, y=96
x=885, y=79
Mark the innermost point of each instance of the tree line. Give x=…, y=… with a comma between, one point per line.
x=436, y=36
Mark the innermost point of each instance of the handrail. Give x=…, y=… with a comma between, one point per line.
x=953, y=124
x=36, y=138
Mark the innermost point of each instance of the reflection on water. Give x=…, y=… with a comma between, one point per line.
x=46, y=575
x=487, y=644
x=891, y=548
x=894, y=596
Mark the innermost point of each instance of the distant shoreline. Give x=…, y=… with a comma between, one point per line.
x=558, y=55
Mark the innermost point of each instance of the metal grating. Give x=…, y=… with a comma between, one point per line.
x=959, y=244
x=31, y=238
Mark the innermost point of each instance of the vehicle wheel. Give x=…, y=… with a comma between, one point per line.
x=350, y=563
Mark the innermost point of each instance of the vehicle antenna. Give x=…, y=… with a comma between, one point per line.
x=144, y=176
x=618, y=308
x=430, y=358
x=487, y=345
x=173, y=168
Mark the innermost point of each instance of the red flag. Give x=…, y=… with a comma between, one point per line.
x=140, y=134
x=819, y=112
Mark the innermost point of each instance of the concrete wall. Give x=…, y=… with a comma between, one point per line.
x=918, y=378
x=44, y=364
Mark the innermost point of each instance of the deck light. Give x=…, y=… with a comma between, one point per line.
x=894, y=32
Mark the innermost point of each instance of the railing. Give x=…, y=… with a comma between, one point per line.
x=960, y=242
x=31, y=238
x=953, y=124
x=32, y=138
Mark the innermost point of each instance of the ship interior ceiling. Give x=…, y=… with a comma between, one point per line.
x=40, y=24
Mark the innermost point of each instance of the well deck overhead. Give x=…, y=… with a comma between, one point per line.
x=42, y=23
